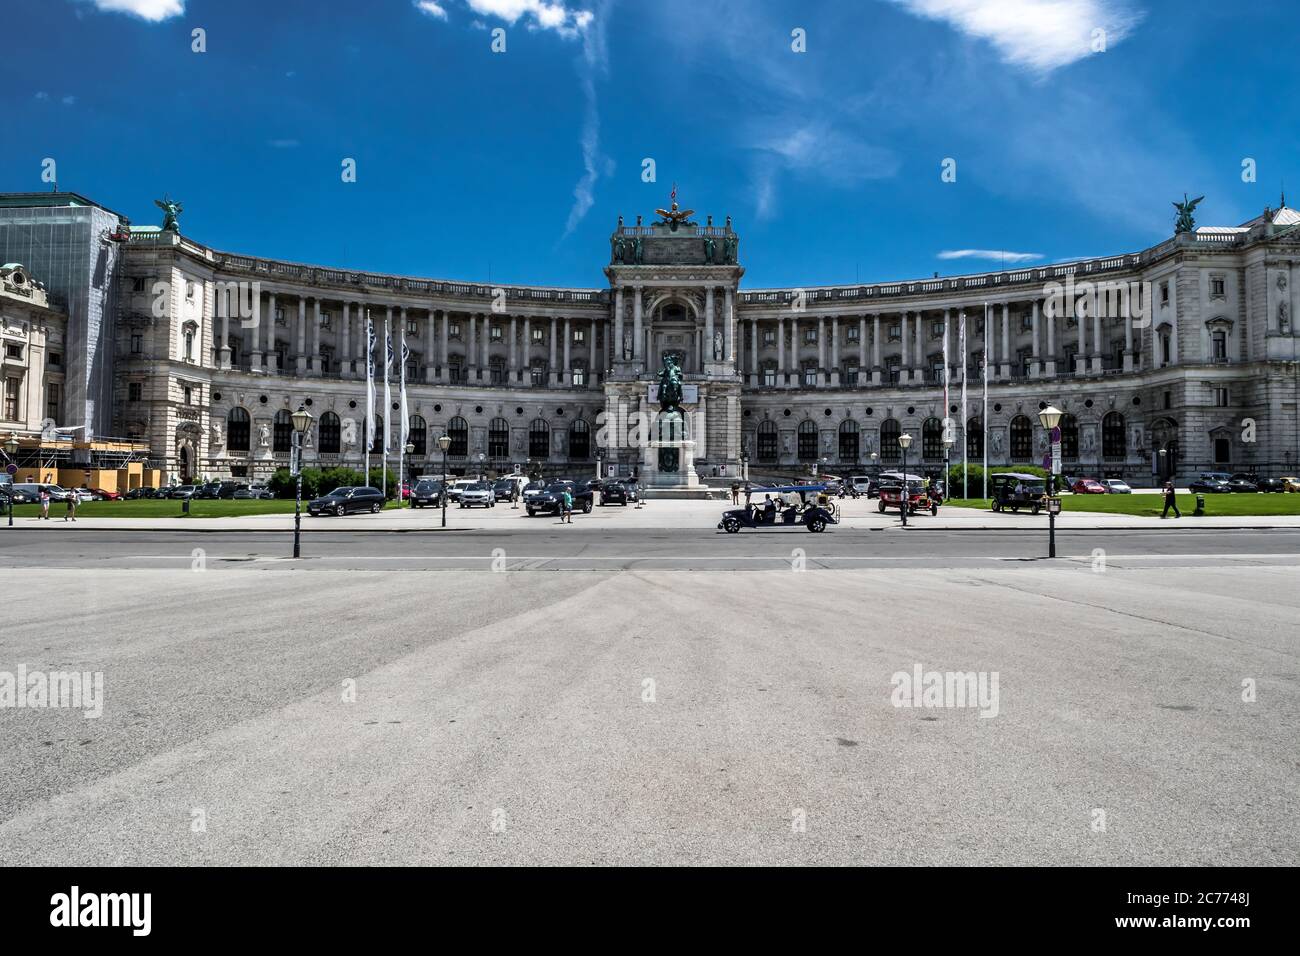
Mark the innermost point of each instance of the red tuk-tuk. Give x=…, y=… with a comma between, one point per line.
x=896, y=487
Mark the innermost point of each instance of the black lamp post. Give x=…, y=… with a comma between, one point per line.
x=302, y=420
x=1050, y=418
x=905, y=442
x=444, y=442
x=11, y=449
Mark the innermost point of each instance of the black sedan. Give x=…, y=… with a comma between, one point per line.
x=1210, y=484
x=617, y=493
x=1244, y=483
x=551, y=500
x=1270, y=484
x=347, y=500
x=426, y=494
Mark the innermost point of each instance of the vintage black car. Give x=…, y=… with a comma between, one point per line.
x=1012, y=491
x=551, y=499
x=345, y=500
x=789, y=506
x=617, y=493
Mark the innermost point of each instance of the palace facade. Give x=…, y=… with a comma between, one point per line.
x=202, y=355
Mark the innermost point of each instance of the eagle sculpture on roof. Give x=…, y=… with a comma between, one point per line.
x=673, y=217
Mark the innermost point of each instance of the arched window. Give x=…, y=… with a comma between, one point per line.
x=539, y=439
x=498, y=438
x=418, y=434
x=848, y=440
x=458, y=432
x=974, y=438
x=1114, y=440
x=889, y=432
x=282, y=432
x=807, y=440
x=767, y=441
x=1069, y=438
x=377, y=446
x=932, y=439
x=328, y=440
x=579, y=440
x=238, y=428
x=1022, y=439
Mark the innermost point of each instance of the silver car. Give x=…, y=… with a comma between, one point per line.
x=478, y=494
x=1116, y=487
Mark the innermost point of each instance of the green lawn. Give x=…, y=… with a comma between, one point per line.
x=166, y=508
x=1231, y=505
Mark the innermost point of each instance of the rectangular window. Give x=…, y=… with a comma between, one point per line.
x=769, y=377
x=324, y=320
x=810, y=375
x=11, y=398
x=539, y=335
x=851, y=374
x=453, y=330
x=579, y=376
x=895, y=332
x=1217, y=286
x=412, y=328
x=133, y=391
x=1220, y=398
x=579, y=336
x=538, y=374
x=56, y=359
x=187, y=395
x=13, y=351
x=494, y=333
x=1164, y=293
x=810, y=336
x=769, y=337
x=137, y=283
x=936, y=329
x=853, y=331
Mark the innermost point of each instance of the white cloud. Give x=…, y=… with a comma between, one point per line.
x=69, y=100
x=998, y=254
x=282, y=143
x=42, y=95
x=431, y=8
x=151, y=10
x=1038, y=35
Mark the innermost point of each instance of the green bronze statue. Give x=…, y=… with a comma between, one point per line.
x=670, y=385
x=170, y=211
x=1185, y=222
x=710, y=247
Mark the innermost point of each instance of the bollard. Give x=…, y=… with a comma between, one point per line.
x=185, y=506
x=1200, y=505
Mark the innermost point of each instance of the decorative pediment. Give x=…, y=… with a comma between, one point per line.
x=1219, y=323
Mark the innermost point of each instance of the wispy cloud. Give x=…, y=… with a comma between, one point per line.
x=151, y=10
x=996, y=254
x=282, y=143
x=554, y=15
x=42, y=95
x=69, y=100
x=432, y=9
x=1038, y=35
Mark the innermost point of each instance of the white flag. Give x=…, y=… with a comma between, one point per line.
x=370, y=383
x=388, y=388
x=406, y=421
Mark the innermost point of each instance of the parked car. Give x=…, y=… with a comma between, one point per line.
x=1012, y=491
x=182, y=492
x=457, y=486
x=503, y=488
x=427, y=493
x=253, y=492
x=906, y=488
x=1215, y=483
x=1088, y=486
x=1290, y=483
x=532, y=490
x=516, y=482
x=1243, y=482
x=1271, y=484
x=617, y=493
x=477, y=495
x=785, y=507
x=84, y=494
x=1116, y=487
x=347, y=500
x=550, y=500
x=139, y=493
x=22, y=494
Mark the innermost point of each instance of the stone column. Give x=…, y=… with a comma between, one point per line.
x=835, y=350
x=300, y=357
x=314, y=363
x=947, y=354
x=904, y=364
x=821, y=351
x=1081, y=359
x=471, y=351
x=552, y=378
x=638, y=347
x=753, y=353
x=1128, y=338
x=526, y=352
x=223, y=353
x=1173, y=319
x=566, y=377
x=729, y=331
x=1005, y=371
x=487, y=344
x=512, y=366
x=918, y=354
x=256, y=359
x=1096, y=337
x=345, y=343
x=1036, y=364
x=592, y=378
x=430, y=356
x=875, y=349
x=618, y=325
x=443, y=360
x=862, y=350
x=780, y=353
x=794, y=352
x=1051, y=344
x=708, y=325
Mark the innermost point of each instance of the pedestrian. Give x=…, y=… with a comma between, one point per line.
x=567, y=513
x=735, y=492
x=749, y=490
x=45, y=505
x=1170, y=501
x=72, y=507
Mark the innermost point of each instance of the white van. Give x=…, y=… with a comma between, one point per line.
x=459, y=485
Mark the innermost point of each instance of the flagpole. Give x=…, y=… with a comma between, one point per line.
x=947, y=413
x=388, y=394
x=370, y=393
x=965, y=441
x=984, y=415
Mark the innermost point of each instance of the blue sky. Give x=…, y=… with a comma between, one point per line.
x=514, y=166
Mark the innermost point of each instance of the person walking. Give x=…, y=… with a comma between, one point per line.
x=1170, y=501
x=749, y=491
x=45, y=505
x=72, y=507
x=735, y=492
x=567, y=513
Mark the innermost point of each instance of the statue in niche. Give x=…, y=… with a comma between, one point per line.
x=827, y=442
x=1089, y=440
x=729, y=247
x=717, y=346
x=215, y=437
x=1137, y=438
x=1281, y=282
x=620, y=250
x=786, y=447
x=995, y=442
x=709, y=248
x=636, y=251
x=1283, y=317
x=263, y=435
x=627, y=346
x=349, y=433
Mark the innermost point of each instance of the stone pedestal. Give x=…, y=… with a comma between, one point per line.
x=683, y=483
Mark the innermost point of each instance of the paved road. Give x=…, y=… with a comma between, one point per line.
x=649, y=716
x=592, y=548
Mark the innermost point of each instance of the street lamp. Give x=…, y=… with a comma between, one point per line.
x=947, y=447
x=1050, y=418
x=444, y=443
x=401, y=479
x=905, y=442
x=481, y=458
x=11, y=449
x=744, y=465
x=302, y=420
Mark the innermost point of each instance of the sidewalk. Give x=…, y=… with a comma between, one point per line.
x=855, y=515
